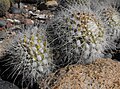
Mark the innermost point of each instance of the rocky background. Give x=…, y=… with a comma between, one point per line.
x=15, y=14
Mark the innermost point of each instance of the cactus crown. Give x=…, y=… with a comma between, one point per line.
x=86, y=26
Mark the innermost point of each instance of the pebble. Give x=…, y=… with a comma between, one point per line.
x=1, y=29
x=28, y=22
x=10, y=20
x=52, y=3
x=37, y=11
x=34, y=8
x=41, y=16
x=16, y=21
x=31, y=13
x=9, y=24
x=2, y=23
x=25, y=6
x=15, y=10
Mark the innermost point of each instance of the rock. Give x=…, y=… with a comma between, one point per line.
x=4, y=6
x=8, y=15
x=37, y=11
x=7, y=85
x=17, y=21
x=9, y=23
x=28, y=22
x=51, y=3
x=14, y=21
x=102, y=74
x=1, y=29
x=10, y=20
x=41, y=17
x=2, y=23
x=15, y=10
x=31, y=13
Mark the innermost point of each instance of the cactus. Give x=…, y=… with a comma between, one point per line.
x=84, y=32
x=31, y=55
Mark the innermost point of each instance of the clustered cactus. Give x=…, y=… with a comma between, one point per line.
x=80, y=33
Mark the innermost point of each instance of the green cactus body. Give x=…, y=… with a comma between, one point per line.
x=85, y=33
x=32, y=57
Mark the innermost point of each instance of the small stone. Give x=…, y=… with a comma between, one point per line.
x=25, y=6
x=38, y=11
x=17, y=21
x=8, y=15
x=30, y=12
x=41, y=17
x=28, y=22
x=2, y=23
x=9, y=24
x=10, y=20
x=34, y=8
x=52, y=3
x=15, y=10
x=1, y=29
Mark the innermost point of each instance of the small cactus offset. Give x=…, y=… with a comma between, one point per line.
x=31, y=55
